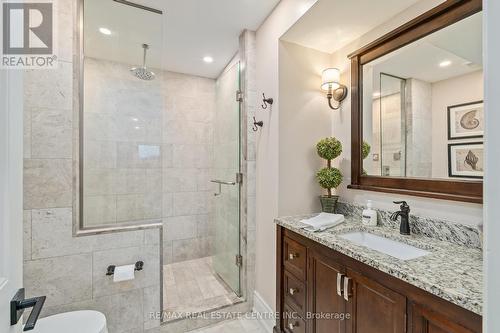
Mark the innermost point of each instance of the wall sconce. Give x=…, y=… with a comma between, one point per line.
x=331, y=84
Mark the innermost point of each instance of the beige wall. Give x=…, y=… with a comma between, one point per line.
x=491, y=319
x=281, y=19
x=463, y=89
x=304, y=120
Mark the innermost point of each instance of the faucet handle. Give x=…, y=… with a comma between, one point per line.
x=404, y=205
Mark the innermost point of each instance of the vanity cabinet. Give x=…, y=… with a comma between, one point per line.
x=317, y=286
x=374, y=307
x=428, y=321
x=324, y=293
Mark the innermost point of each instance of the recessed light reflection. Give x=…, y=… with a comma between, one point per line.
x=148, y=152
x=135, y=119
x=105, y=31
x=208, y=59
x=445, y=63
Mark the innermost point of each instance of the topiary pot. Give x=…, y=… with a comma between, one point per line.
x=328, y=204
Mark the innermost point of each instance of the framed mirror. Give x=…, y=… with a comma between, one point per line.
x=417, y=107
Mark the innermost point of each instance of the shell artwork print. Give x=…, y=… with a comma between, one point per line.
x=471, y=159
x=466, y=160
x=466, y=121
x=469, y=120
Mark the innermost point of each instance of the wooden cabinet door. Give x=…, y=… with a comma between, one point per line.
x=424, y=320
x=373, y=307
x=324, y=303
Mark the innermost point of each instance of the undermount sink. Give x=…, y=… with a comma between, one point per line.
x=385, y=245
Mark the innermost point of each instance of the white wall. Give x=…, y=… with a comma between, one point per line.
x=491, y=320
x=11, y=200
x=453, y=211
x=304, y=120
x=281, y=19
x=458, y=90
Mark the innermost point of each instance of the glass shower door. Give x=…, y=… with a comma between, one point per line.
x=226, y=179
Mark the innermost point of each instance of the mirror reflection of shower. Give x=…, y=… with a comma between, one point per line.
x=143, y=72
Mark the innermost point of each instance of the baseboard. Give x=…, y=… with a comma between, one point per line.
x=263, y=311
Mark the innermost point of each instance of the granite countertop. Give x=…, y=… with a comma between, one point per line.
x=450, y=271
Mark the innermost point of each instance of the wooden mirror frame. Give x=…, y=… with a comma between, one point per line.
x=448, y=13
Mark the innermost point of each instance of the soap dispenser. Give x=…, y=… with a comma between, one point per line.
x=369, y=215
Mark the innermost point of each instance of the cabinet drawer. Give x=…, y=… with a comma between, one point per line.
x=295, y=258
x=295, y=293
x=292, y=323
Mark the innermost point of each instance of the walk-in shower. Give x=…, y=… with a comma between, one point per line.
x=165, y=147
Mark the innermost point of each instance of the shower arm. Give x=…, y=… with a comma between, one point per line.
x=145, y=47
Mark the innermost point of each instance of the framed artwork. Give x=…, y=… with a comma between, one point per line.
x=466, y=160
x=466, y=121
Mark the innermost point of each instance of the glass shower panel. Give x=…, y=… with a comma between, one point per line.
x=225, y=181
x=392, y=125
x=121, y=116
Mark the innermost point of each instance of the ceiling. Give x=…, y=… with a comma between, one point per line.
x=179, y=39
x=332, y=24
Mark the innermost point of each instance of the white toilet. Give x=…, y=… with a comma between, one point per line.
x=74, y=322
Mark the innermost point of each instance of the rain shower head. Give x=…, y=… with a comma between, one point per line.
x=143, y=72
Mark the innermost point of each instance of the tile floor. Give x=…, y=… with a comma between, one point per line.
x=234, y=326
x=193, y=287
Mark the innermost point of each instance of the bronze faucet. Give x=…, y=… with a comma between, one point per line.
x=404, y=228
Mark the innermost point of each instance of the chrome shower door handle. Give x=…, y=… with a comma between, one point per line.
x=220, y=183
x=219, y=191
x=239, y=180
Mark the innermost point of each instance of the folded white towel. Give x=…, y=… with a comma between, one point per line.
x=322, y=221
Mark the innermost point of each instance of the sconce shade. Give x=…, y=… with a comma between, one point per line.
x=330, y=79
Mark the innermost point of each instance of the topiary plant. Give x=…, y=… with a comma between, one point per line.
x=329, y=148
x=366, y=149
x=329, y=178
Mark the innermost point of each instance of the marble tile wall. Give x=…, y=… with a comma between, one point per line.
x=248, y=52
x=148, y=154
x=188, y=135
x=70, y=270
x=419, y=133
